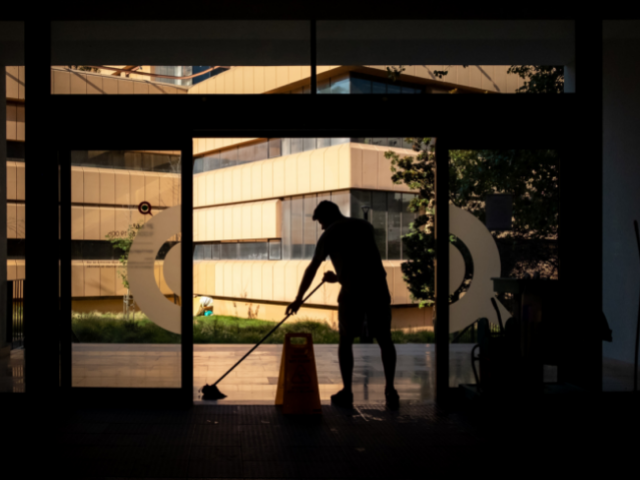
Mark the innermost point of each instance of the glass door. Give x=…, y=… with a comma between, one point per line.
x=125, y=292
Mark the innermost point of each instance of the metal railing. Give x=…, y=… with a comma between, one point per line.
x=15, y=315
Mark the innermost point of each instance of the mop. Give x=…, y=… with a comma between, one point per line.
x=211, y=392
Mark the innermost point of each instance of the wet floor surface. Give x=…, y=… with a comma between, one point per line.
x=255, y=380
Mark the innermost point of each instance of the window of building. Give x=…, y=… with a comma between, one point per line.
x=388, y=213
x=269, y=250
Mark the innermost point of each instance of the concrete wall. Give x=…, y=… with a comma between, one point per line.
x=278, y=281
x=621, y=191
x=349, y=165
x=245, y=221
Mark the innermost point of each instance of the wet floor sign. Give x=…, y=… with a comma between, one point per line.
x=298, y=391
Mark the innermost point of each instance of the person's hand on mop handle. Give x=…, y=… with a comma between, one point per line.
x=329, y=277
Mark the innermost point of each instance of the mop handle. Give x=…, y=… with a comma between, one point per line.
x=265, y=337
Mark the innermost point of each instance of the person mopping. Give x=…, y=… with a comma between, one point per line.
x=206, y=305
x=350, y=243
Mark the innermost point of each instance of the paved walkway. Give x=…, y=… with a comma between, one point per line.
x=254, y=381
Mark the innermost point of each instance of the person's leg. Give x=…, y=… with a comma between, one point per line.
x=345, y=358
x=200, y=311
x=388, y=353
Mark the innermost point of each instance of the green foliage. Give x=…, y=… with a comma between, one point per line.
x=112, y=328
x=84, y=68
x=539, y=79
x=532, y=178
x=123, y=245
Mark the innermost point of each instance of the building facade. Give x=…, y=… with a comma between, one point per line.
x=253, y=197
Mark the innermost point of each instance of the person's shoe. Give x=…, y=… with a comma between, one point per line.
x=393, y=399
x=342, y=399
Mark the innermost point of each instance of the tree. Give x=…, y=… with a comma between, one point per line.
x=121, y=242
x=531, y=176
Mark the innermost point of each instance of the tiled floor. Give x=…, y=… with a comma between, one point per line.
x=238, y=441
x=254, y=380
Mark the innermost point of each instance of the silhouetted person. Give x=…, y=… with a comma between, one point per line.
x=351, y=245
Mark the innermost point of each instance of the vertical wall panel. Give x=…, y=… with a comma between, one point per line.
x=122, y=188
x=107, y=280
x=166, y=190
x=77, y=279
x=218, y=229
x=12, y=220
x=152, y=188
x=77, y=185
x=256, y=181
x=92, y=223
x=220, y=278
x=350, y=168
x=218, y=192
x=291, y=174
x=369, y=168
x=237, y=184
x=91, y=279
x=267, y=179
x=12, y=80
x=77, y=222
x=91, y=185
x=317, y=176
x=20, y=181
x=246, y=285
x=246, y=182
x=107, y=221
x=110, y=86
x=267, y=280
x=210, y=275
x=61, y=83
x=304, y=172
x=245, y=210
x=236, y=223
x=279, y=280
x=210, y=224
x=137, y=184
x=278, y=177
x=107, y=186
x=20, y=122
x=256, y=280
x=94, y=85
x=228, y=185
x=12, y=118
x=122, y=220
x=12, y=181
x=258, y=79
x=228, y=223
x=78, y=83
x=209, y=185
x=258, y=220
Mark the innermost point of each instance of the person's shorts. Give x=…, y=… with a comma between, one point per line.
x=351, y=317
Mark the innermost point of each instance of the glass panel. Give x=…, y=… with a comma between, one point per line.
x=309, y=226
x=126, y=308
x=324, y=142
x=340, y=84
x=229, y=251
x=321, y=197
x=378, y=87
x=379, y=220
x=360, y=199
x=297, y=227
x=407, y=217
x=343, y=201
x=275, y=147
x=505, y=226
x=275, y=250
x=394, y=207
x=309, y=144
x=360, y=85
x=215, y=251
x=286, y=229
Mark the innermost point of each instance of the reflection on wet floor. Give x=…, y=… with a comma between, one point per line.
x=254, y=381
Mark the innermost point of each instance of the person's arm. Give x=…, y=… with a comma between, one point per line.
x=307, y=278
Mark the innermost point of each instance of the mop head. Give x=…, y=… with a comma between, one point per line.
x=211, y=392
